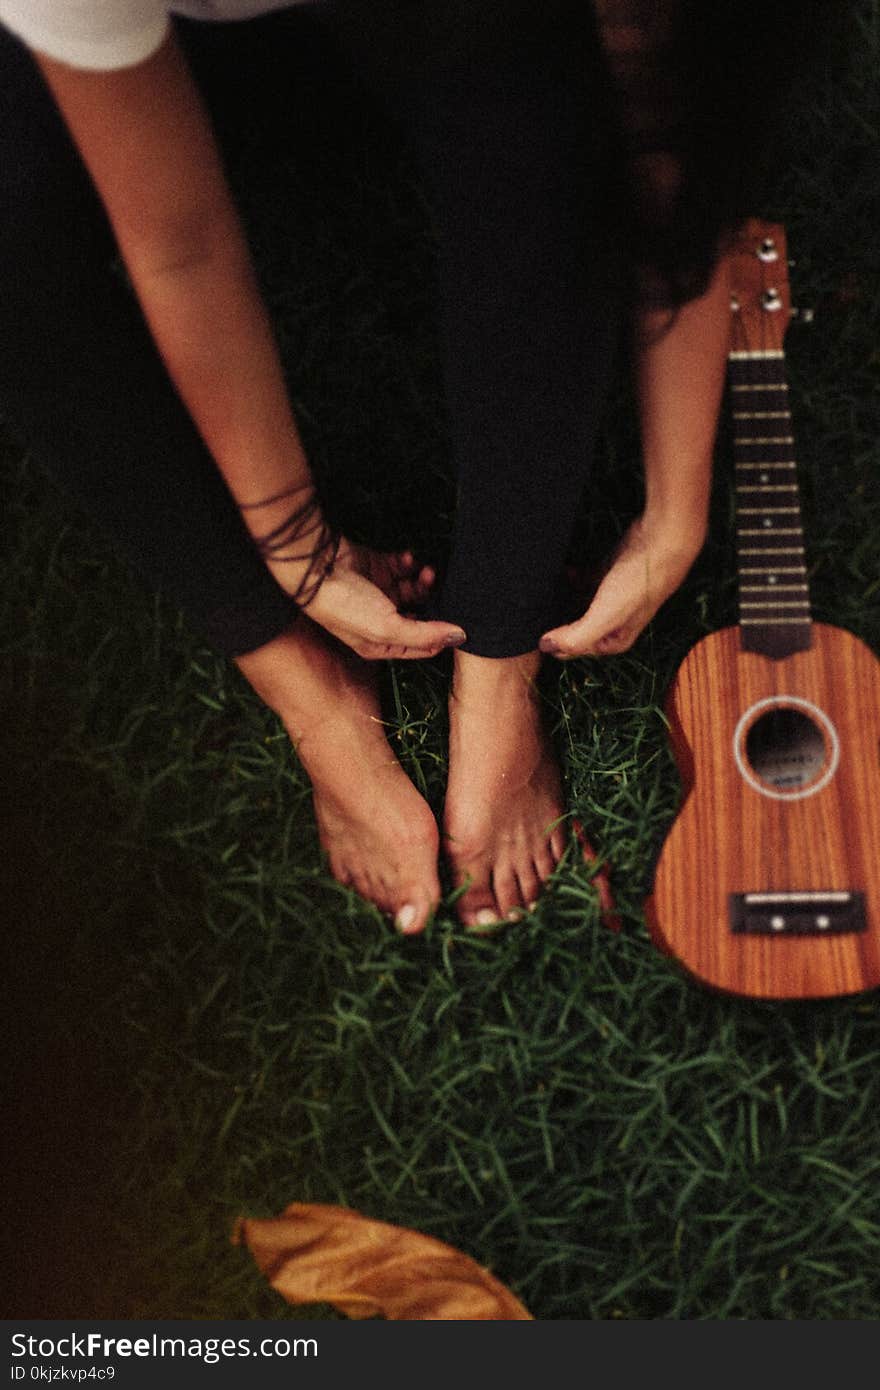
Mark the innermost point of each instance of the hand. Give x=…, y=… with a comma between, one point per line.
x=358, y=603
x=395, y=573
x=648, y=565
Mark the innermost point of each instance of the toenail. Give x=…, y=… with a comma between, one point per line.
x=515, y=915
x=405, y=917
x=531, y=906
x=485, y=917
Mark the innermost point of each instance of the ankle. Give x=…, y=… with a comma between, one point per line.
x=482, y=679
x=303, y=676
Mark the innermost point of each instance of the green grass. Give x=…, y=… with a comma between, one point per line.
x=204, y=1023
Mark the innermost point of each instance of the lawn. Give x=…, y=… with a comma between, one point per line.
x=204, y=1024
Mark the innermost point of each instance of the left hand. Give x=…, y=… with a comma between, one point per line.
x=647, y=567
x=397, y=574
x=359, y=602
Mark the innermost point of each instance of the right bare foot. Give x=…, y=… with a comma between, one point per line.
x=378, y=832
x=504, y=802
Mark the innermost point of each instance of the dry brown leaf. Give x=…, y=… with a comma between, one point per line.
x=364, y=1268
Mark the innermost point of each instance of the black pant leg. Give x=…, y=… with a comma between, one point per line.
x=83, y=386
x=507, y=104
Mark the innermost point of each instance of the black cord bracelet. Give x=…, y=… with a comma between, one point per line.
x=302, y=522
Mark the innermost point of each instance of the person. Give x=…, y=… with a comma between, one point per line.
x=550, y=138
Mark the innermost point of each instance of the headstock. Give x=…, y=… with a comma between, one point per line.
x=759, y=289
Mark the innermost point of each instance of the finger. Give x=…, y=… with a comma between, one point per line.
x=411, y=591
x=574, y=639
x=587, y=637
x=393, y=651
x=403, y=564
x=421, y=636
x=414, y=584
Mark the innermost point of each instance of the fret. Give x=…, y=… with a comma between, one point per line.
x=761, y=414
x=773, y=588
x=783, y=603
x=758, y=354
x=772, y=569
x=787, y=622
x=764, y=439
x=762, y=511
x=769, y=487
x=777, y=531
x=774, y=550
x=759, y=386
x=769, y=463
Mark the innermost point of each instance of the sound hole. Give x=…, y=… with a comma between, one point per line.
x=786, y=749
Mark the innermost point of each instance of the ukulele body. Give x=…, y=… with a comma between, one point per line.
x=768, y=883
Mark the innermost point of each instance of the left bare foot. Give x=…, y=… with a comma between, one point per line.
x=504, y=799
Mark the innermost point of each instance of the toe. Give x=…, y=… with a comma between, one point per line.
x=340, y=870
x=544, y=862
x=479, y=910
x=508, y=897
x=530, y=883
x=412, y=915
x=601, y=878
x=477, y=906
x=557, y=843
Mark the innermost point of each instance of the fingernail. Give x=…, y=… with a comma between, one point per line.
x=547, y=644
x=455, y=641
x=485, y=917
x=405, y=917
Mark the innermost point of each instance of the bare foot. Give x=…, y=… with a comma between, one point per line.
x=504, y=799
x=379, y=834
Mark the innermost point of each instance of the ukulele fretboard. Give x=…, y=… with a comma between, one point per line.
x=774, y=599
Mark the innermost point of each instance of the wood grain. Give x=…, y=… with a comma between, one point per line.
x=729, y=838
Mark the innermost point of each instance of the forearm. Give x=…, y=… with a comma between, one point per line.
x=208, y=320
x=680, y=379
x=146, y=139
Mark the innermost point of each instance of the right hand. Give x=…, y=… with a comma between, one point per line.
x=357, y=601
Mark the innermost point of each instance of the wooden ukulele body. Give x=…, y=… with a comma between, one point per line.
x=789, y=843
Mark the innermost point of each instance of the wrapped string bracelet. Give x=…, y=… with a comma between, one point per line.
x=303, y=521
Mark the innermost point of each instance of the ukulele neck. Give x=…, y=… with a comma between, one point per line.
x=774, y=599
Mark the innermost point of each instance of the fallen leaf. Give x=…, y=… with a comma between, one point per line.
x=325, y=1254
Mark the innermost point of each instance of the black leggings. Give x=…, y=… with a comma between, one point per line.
x=500, y=101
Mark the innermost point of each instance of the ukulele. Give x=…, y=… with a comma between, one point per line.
x=768, y=883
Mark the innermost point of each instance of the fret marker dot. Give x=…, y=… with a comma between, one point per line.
x=777, y=923
x=771, y=578
x=768, y=521
x=823, y=921
x=765, y=477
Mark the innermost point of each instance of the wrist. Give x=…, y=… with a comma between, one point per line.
x=293, y=539
x=675, y=527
